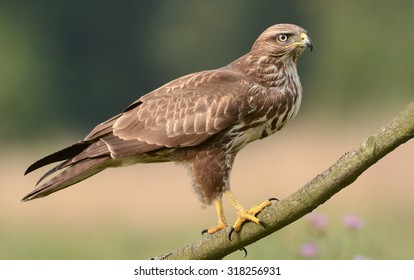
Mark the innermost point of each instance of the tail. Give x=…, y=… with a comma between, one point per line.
x=66, y=153
x=78, y=166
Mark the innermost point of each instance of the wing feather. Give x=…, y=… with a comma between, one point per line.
x=187, y=110
x=184, y=112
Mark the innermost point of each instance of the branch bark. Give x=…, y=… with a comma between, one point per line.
x=341, y=174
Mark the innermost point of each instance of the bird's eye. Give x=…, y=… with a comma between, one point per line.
x=282, y=37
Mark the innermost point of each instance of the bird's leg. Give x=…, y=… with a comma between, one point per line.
x=220, y=214
x=243, y=214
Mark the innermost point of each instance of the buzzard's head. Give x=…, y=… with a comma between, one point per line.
x=282, y=40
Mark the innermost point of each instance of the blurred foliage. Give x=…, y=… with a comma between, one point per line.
x=68, y=65
x=121, y=241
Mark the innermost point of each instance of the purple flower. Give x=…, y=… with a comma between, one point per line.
x=318, y=221
x=309, y=250
x=352, y=222
x=360, y=257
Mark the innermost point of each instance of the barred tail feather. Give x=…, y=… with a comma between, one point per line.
x=71, y=175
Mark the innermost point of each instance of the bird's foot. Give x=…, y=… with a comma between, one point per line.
x=249, y=215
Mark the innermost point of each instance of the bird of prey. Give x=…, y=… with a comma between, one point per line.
x=201, y=120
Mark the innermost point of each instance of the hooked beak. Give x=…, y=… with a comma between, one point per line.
x=306, y=41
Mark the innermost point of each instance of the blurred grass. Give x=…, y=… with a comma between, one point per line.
x=109, y=241
x=378, y=239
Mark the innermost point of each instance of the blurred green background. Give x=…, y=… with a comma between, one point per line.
x=67, y=65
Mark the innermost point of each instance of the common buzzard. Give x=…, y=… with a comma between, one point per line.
x=201, y=120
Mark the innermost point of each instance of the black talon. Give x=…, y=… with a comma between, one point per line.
x=273, y=198
x=230, y=232
x=245, y=251
x=261, y=223
x=204, y=231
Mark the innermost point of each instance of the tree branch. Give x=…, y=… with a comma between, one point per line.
x=345, y=171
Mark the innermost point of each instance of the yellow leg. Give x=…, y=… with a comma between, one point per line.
x=220, y=214
x=243, y=214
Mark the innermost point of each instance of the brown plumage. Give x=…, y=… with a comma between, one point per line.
x=201, y=120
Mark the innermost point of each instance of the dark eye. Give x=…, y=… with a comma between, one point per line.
x=282, y=37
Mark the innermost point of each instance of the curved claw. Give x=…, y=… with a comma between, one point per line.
x=261, y=223
x=245, y=251
x=230, y=232
x=273, y=198
x=204, y=231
